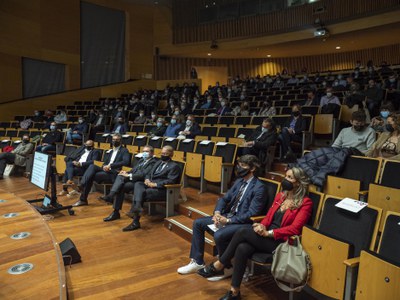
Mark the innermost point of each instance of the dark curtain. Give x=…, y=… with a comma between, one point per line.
x=102, y=45
x=42, y=77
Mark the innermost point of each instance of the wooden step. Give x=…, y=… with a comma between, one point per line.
x=182, y=226
x=195, y=213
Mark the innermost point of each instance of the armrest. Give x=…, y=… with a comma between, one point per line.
x=352, y=262
x=227, y=164
x=363, y=193
x=173, y=186
x=257, y=219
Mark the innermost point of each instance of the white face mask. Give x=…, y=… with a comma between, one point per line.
x=329, y=94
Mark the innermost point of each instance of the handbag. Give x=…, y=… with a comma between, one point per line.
x=291, y=266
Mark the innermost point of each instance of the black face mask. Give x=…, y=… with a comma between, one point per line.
x=121, y=122
x=241, y=172
x=165, y=158
x=358, y=127
x=389, y=127
x=25, y=141
x=116, y=143
x=286, y=185
x=89, y=148
x=296, y=113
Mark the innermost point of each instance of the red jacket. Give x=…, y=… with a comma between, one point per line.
x=293, y=220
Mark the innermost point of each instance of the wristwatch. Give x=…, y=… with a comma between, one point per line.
x=270, y=233
x=228, y=221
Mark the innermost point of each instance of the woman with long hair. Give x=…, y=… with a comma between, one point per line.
x=288, y=214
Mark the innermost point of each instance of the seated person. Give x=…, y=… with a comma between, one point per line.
x=267, y=110
x=189, y=129
x=292, y=131
x=208, y=104
x=164, y=172
x=17, y=156
x=329, y=103
x=77, y=163
x=50, y=140
x=388, y=143
x=261, y=139
x=160, y=128
x=125, y=181
x=61, y=117
x=224, y=109
x=98, y=125
x=120, y=127
x=141, y=118
x=77, y=132
x=290, y=211
x=153, y=119
x=312, y=99
x=379, y=123
x=38, y=117
x=114, y=159
x=245, y=199
x=173, y=127
x=358, y=135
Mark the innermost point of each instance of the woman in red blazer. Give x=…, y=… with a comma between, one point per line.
x=286, y=217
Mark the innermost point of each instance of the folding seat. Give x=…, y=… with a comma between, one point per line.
x=257, y=120
x=243, y=121
x=148, y=128
x=140, y=141
x=218, y=166
x=340, y=237
x=227, y=132
x=199, y=112
x=209, y=131
x=354, y=179
x=310, y=110
x=280, y=103
x=137, y=128
x=155, y=142
x=286, y=110
x=22, y=132
x=11, y=132
x=388, y=177
x=324, y=129
x=211, y=120
x=170, y=141
x=228, y=120
x=199, y=119
x=127, y=139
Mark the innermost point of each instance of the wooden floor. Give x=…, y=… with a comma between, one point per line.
x=132, y=265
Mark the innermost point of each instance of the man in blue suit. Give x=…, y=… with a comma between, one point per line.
x=77, y=131
x=246, y=198
x=114, y=160
x=120, y=127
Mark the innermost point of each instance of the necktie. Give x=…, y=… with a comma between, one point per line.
x=237, y=199
x=160, y=168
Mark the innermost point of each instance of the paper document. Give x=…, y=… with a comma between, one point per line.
x=213, y=227
x=351, y=205
x=206, y=142
x=241, y=136
x=222, y=143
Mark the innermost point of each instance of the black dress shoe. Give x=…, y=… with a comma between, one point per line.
x=107, y=198
x=229, y=296
x=113, y=216
x=80, y=203
x=210, y=271
x=131, y=227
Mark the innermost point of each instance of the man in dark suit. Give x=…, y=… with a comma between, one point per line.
x=77, y=132
x=292, y=131
x=246, y=198
x=50, y=140
x=77, y=163
x=114, y=159
x=98, y=125
x=261, y=139
x=120, y=127
x=224, y=109
x=125, y=181
x=165, y=171
x=190, y=129
x=160, y=128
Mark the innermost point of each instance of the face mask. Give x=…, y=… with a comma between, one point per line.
x=159, y=124
x=242, y=97
x=121, y=122
x=296, y=113
x=264, y=129
x=80, y=121
x=89, y=148
x=392, y=80
x=340, y=77
x=25, y=141
x=188, y=123
x=101, y=116
x=165, y=158
x=329, y=95
x=241, y=172
x=116, y=143
x=196, y=101
x=141, y=115
x=389, y=127
x=52, y=127
x=286, y=185
x=153, y=116
x=145, y=155
x=222, y=104
x=208, y=100
x=176, y=113
x=358, y=127
x=173, y=121
x=37, y=114
x=385, y=114
x=183, y=107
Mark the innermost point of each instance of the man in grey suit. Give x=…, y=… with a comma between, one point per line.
x=17, y=156
x=245, y=199
x=164, y=172
x=125, y=181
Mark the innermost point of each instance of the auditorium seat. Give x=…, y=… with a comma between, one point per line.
x=390, y=167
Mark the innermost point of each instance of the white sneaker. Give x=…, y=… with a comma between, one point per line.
x=190, y=268
x=227, y=273
x=73, y=193
x=62, y=193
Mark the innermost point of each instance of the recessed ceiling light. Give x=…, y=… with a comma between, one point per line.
x=338, y=47
x=268, y=55
x=209, y=54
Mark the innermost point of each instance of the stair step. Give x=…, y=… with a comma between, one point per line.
x=195, y=213
x=182, y=226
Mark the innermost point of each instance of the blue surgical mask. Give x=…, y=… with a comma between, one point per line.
x=385, y=114
x=159, y=124
x=52, y=127
x=145, y=155
x=173, y=121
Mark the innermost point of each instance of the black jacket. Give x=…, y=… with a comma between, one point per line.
x=140, y=171
x=53, y=137
x=299, y=127
x=122, y=159
x=263, y=142
x=76, y=155
x=158, y=131
x=169, y=175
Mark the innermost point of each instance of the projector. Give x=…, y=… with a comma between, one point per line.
x=321, y=32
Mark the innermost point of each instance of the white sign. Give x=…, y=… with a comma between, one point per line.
x=351, y=205
x=39, y=170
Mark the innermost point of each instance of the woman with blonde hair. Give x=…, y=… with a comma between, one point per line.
x=388, y=143
x=288, y=214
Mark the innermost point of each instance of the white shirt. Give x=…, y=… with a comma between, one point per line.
x=99, y=121
x=84, y=156
x=114, y=155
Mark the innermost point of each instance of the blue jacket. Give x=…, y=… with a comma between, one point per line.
x=123, y=128
x=172, y=130
x=81, y=128
x=253, y=202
